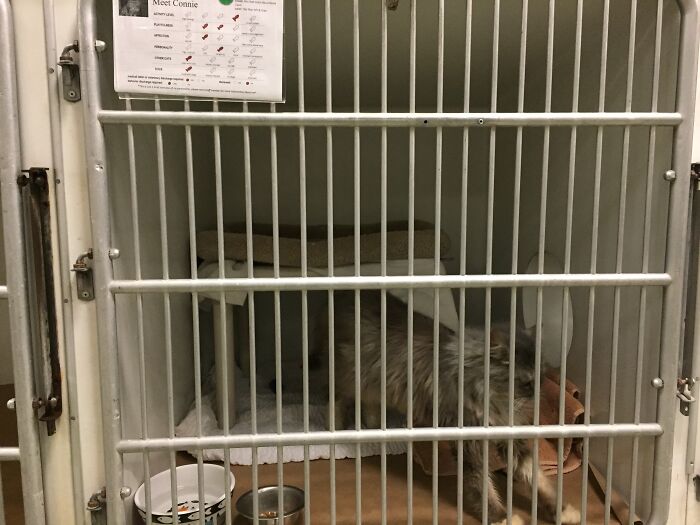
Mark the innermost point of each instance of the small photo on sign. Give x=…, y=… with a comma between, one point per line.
x=133, y=8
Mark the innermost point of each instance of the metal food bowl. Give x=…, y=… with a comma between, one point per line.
x=293, y=501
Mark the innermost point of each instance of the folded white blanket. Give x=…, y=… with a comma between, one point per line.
x=292, y=421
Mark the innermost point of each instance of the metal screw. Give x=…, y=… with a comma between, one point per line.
x=670, y=176
x=657, y=383
x=37, y=403
x=11, y=403
x=71, y=93
x=53, y=402
x=100, y=45
x=125, y=492
x=114, y=253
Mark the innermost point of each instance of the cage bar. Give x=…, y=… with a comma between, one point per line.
x=304, y=264
x=251, y=314
x=383, y=262
x=139, y=308
x=404, y=435
x=165, y=267
x=367, y=282
x=192, y=225
x=393, y=119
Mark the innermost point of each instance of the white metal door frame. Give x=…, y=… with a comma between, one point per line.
x=28, y=452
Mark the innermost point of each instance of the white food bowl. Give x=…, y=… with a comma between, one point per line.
x=187, y=495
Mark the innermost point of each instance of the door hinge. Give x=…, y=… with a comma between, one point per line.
x=70, y=70
x=83, y=276
x=96, y=506
x=70, y=73
x=685, y=393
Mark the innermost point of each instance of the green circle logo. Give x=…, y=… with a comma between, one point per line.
x=226, y=2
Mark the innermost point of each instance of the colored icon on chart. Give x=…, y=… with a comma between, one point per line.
x=220, y=49
x=188, y=58
x=189, y=68
x=205, y=37
x=205, y=26
x=226, y=2
x=220, y=26
x=235, y=18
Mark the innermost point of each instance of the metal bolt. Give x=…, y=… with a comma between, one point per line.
x=37, y=403
x=100, y=45
x=657, y=383
x=11, y=403
x=53, y=402
x=125, y=492
x=670, y=176
x=114, y=253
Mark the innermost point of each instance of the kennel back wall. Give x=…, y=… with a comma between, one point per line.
x=543, y=127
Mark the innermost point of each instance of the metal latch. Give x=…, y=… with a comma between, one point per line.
x=70, y=73
x=37, y=209
x=685, y=393
x=83, y=276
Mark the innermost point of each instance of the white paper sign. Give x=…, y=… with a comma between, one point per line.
x=228, y=49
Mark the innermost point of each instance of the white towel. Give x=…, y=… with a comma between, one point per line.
x=292, y=421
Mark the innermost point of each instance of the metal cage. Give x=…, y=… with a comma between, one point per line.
x=650, y=136
x=16, y=289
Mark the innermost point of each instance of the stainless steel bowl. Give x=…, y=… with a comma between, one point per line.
x=293, y=501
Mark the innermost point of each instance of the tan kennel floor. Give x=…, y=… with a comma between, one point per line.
x=396, y=492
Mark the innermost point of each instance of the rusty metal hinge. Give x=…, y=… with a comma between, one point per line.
x=96, y=506
x=685, y=387
x=70, y=73
x=83, y=276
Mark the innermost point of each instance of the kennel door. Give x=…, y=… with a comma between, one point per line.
x=150, y=290
x=14, y=314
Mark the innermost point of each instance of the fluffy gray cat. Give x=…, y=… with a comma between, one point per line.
x=396, y=385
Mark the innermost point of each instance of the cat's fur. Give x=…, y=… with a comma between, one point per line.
x=396, y=383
